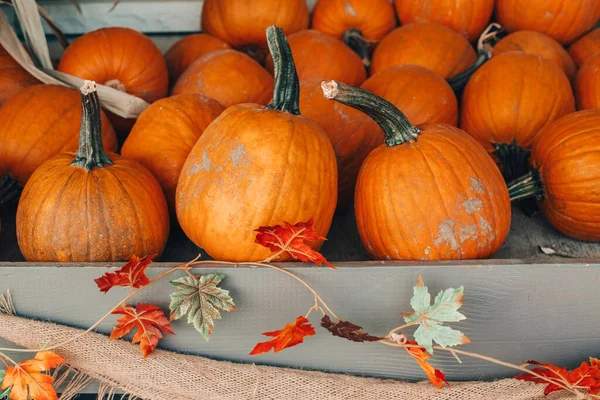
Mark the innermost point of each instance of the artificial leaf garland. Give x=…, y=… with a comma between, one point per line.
x=131, y=274
x=6, y=392
x=347, y=330
x=291, y=335
x=435, y=376
x=585, y=377
x=27, y=380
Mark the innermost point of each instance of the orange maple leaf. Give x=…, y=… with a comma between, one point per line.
x=586, y=377
x=435, y=376
x=149, y=321
x=28, y=380
x=291, y=335
x=130, y=275
x=292, y=240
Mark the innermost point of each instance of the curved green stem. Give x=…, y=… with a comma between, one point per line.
x=353, y=38
x=395, y=125
x=286, y=93
x=459, y=81
x=529, y=185
x=514, y=160
x=91, y=153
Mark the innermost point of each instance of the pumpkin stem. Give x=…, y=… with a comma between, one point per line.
x=529, y=185
x=286, y=94
x=393, y=122
x=91, y=153
x=353, y=38
x=514, y=160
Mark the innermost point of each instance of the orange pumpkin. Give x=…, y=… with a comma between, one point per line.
x=187, y=50
x=352, y=134
x=121, y=58
x=428, y=44
x=562, y=20
x=587, y=84
x=228, y=76
x=421, y=94
x=565, y=175
x=508, y=101
x=585, y=47
x=468, y=17
x=38, y=123
x=540, y=44
x=13, y=77
x=258, y=166
x=165, y=133
x=320, y=56
x=429, y=193
x=89, y=205
x=356, y=22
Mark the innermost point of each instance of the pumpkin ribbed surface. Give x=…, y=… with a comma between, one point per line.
x=13, y=78
x=187, y=50
x=587, y=84
x=585, y=47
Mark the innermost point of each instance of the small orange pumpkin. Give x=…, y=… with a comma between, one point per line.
x=540, y=44
x=89, y=206
x=585, y=47
x=562, y=20
x=13, y=77
x=258, y=166
x=187, y=50
x=38, y=123
x=429, y=193
x=357, y=22
x=587, y=84
x=228, y=76
x=428, y=44
x=352, y=133
x=421, y=94
x=468, y=17
x=565, y=175
x=321, y=56
x=165, y=133
x=508, y=100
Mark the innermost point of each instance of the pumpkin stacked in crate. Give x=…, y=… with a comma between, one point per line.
x=13, y=77
x=187, y=50
x=38, y=123
x=430, y=192
x=585, y=47
x=90, y=205
x=565, y=175
x=258, y=166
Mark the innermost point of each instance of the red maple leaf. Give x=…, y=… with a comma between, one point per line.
x=586, y=377
x=291, y=335
x=28, y=380
x=149, y=321
x=292, y=240
x=435, y=376
x=130, y=275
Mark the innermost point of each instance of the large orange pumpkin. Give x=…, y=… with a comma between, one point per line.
x=166, y=132
x=89, y=205
x=352, y=133
x=357, y=22
x=321, y=56
x=585, y=47
x=258, y=166
x=428, y=44
x=187, y=50
x=468, y=17
x=121, y=58
x=430, y=192
x=565, y=175
x=421, y=94
x=38, y=123
x=228, y=76
x=562, y=20
x=587, y=84
x=508, y=101
x=540, y=44
x=13, y=77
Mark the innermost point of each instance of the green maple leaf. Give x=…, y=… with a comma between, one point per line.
x=201, y=299
x=6, y=392
x=431, y=317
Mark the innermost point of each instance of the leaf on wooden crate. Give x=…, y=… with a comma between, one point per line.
x=6, y=392
x=201, y=299
x=291, y=335
x=27, y=379
x=435, y=376
x=347, y=330
x=292, y=240
x=149, y=321
x=131, y=274
x=586, y=377
x=430, y=317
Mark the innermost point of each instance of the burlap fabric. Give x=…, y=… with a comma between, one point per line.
x=168, y=375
